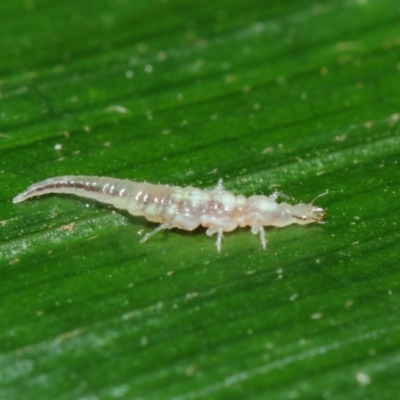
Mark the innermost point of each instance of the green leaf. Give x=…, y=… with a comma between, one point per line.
x=297, y=96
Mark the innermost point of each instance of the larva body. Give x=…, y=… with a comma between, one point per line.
x=184, y=208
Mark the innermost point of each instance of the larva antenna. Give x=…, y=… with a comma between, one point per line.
x=318, y=213
x=320, y=195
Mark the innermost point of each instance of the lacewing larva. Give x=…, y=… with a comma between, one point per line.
x=184, y=208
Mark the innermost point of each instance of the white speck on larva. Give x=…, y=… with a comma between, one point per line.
x=58, y=147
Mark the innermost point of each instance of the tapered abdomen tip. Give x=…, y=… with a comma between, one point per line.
x=19, y=198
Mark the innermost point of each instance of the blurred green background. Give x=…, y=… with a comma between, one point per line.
x=297, y=96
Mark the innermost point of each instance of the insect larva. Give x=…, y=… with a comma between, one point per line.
x=184, y=208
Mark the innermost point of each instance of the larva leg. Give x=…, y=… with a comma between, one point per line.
x=166, y=225
x=215, y=229
x=274, y=196
x=219, y=240
x=260, y=229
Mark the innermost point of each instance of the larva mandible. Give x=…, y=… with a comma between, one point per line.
x=184, y=208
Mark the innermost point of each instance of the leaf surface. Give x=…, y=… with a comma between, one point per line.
x=297, y=96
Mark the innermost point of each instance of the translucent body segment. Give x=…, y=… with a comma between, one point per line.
x=106, y=190
x=184, y=208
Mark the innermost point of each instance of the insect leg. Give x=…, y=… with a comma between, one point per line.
x=166, y=225
x=219, y=240
x=260, y=229
x=274, y=196
x=215, y=229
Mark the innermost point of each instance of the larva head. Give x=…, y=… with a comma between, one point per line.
x=306, y=213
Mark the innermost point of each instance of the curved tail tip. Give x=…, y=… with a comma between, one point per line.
x=19, y=198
